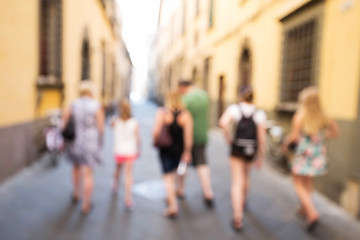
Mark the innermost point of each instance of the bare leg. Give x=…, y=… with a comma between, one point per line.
x=180, y=185
x=313, y=215
x=247, y=167
x=128, y=183
x=304, y=196
x=117, y=177
x=88, y=182
x=203, y=172
x=76, y=182
x=169, y=180
x=237, y=188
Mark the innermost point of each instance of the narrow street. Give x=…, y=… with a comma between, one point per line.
x=35, y=204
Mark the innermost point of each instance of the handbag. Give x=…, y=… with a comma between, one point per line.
x=68, y=132
x=164, y=139
x=284, y=162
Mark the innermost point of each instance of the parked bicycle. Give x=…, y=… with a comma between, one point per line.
x=274, y=152
x=53, y=138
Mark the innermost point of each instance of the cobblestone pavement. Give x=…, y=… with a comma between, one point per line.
x=35, y=204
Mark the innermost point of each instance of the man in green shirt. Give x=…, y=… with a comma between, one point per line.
x=197, y=102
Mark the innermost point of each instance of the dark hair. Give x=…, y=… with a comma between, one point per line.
x=247, y=94
x=184, y=83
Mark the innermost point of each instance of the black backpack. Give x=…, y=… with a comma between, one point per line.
x=245, y=142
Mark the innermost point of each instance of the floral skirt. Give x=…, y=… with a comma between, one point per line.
x=310, y=157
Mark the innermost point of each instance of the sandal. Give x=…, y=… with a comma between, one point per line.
x=90, y=208
x=312, y=225
x=237, y=225
x=129, y=206
x=74, y=199
x=180, y=196
x=170, y=215
x=209, y=202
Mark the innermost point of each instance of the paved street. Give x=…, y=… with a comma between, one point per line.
x=35, y=204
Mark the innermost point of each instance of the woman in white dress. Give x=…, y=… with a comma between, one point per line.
x=126, y=148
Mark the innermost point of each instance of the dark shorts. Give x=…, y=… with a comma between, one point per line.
x=239, y=155
x=168, y=163
x=198, y=155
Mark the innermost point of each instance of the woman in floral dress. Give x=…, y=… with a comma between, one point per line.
x=310, y=128
x=84, y=150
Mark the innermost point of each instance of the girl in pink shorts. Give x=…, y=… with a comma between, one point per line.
x=126, y=148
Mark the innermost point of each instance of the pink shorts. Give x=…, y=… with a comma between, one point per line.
x=119, y=159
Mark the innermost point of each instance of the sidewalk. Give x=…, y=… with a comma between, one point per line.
x=35, y=204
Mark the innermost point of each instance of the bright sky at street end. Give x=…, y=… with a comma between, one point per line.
x=139, y=22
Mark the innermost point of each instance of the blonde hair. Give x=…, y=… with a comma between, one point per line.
x=125, y=110
x=312, y=113
x=86, y=87
x=173, y=101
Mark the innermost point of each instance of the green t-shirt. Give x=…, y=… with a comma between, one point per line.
x=197, y=102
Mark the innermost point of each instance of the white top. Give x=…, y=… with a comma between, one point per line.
x=234, y=112
x=125, y=137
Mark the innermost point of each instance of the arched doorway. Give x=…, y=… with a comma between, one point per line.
x=221, y=95
x=194, y=76
x=85, y=57
x=245, y=67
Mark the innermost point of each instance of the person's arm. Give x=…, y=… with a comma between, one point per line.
x=332, y=130
x=186, y=122
x=224, y=123
x=65, y=117
x=138, y=141
x=295, y=130
x=261, y=134
x=159, y=118
x=100, y=121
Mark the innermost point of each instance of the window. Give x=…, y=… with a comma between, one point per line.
x=197, y=7
x=113, y=79
x=206, y=73
x=211, y=14
x=194, y=76
x=50, y=43
x=104, y=76
x=196, y=38
x=85, y=58
x=300, y=53
x=245, y=68
x=183, y=27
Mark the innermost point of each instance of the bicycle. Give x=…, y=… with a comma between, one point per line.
x=53, y=138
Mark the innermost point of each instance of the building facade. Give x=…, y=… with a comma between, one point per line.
x=278, y=47
x=46, y=48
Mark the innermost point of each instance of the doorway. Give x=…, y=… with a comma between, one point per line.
x=221, y=99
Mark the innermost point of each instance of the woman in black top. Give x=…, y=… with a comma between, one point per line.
x=180, y=125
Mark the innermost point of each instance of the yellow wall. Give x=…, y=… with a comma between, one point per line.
x=50, y=99
x=21, y=101
x=18, y=60
x=79, y=15
x=258, y=22
x=339, y=81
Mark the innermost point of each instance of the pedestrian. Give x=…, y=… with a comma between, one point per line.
x=178, y=120
x=197, y=103
x=84, y=150
x=310, y=128
x=247, y=145
x=126, y=148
